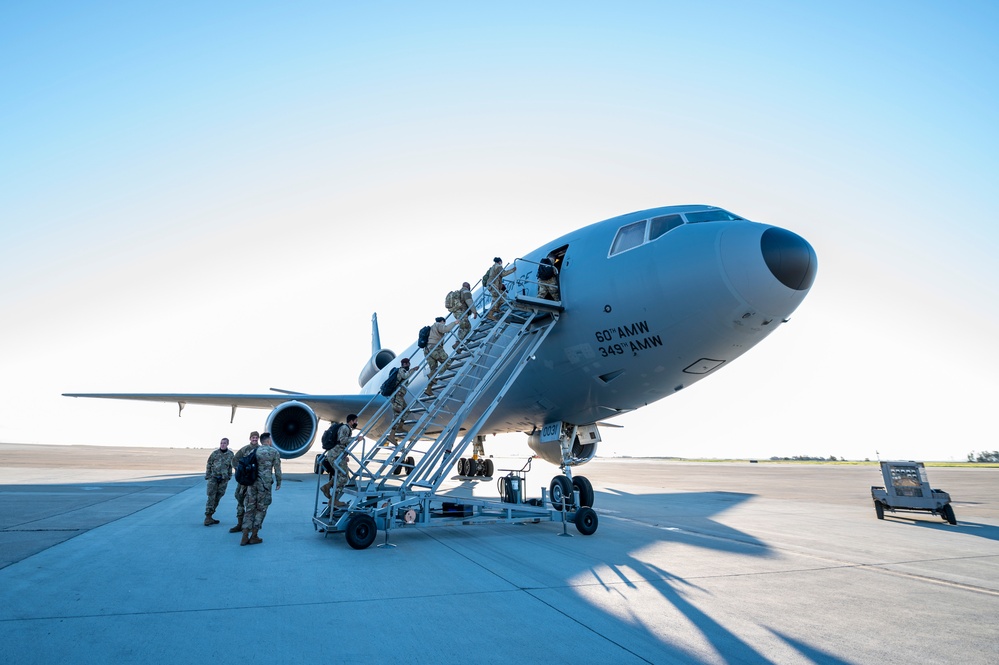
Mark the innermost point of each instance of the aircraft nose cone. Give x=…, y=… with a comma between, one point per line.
x=789, y=257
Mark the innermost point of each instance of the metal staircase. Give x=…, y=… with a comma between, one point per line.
x=422, y=443
x=394, y=481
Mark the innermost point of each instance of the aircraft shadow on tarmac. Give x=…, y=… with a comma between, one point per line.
x=688, y=518
x=986, y=531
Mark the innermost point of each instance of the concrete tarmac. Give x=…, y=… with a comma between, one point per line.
x=104, y=557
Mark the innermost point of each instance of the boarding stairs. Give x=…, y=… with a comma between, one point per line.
x=418, y=448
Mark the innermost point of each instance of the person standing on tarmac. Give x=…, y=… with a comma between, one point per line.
x=218, y=471
x=337, y=460
x=240, y=489
x=258, y=495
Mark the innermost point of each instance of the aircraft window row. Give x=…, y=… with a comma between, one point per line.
x=634, y=234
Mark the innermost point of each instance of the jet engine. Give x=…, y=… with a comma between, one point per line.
x=584, y=445
x=293, y=428
x=379, y=360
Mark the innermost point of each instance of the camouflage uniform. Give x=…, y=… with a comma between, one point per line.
x=241, y=489
x=437, y=355
x=399, y=396
x=258, y=495
x=218, y=471
x=494, y=282
x=461, y=310
x=343, y=438
x=548, y=288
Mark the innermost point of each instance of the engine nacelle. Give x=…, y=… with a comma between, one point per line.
x=379, y=360
x=584, y=445
x=293, y=427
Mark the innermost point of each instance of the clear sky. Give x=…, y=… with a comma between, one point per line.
x=214, y=197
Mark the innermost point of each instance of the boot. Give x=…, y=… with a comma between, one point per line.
x=238, y=527
x=254, y=540
x=246, y=537
x=208, y=520
x=325, y=489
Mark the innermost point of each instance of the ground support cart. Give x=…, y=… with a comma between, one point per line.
x=906, y=488
x=402, y=510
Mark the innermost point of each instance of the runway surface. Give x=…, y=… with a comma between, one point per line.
x=104, y=557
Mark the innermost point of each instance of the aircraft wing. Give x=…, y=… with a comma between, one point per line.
x=326, y=407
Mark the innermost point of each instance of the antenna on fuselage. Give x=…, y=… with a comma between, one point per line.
x=376, y=342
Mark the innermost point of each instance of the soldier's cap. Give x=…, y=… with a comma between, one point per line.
x=439, y=319
x=497, y=260
x=405, y=361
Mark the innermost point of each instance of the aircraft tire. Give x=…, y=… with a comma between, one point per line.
x=879, y=510
x=489, y=468
x=948, y=514
x=586, y=521
x=560, y=491
x=471, y=467
x=462, y=466
x=361, y=531
x=411, y=462
x=585, y=488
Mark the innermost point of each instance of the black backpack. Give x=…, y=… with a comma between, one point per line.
x=424, y=337
x=545, y=269
x=388, y=386
x=331, y=436
x=246, y=468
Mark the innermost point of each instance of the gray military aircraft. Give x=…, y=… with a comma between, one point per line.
x=650, y=303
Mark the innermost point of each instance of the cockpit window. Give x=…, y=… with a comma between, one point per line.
x=717, y=215
x=628, y=237
x=664, y=224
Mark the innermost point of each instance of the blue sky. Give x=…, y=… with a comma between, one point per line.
x=214, y=197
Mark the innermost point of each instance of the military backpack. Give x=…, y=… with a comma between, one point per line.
x=423, y=337
x=388, y=386
x=246, y=468
x=331, y=436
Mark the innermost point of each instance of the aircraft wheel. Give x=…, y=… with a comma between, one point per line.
x=411, y=462
x=948, y=514
x=361, y=531
x=560, y=492
x=585, y=488
x=586, y=521
x=489, y=468
x=879, y=510
x=462, y=466
x=397, y=469
x=472, y=467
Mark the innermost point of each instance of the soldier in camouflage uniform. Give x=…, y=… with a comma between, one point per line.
x=218, y=471
x=333, y=457
x=548, y=280
x=494, y=282
x=462, y=309
x=240, y=489
x=258, y=495
x=399, y=396
x=434, y=353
